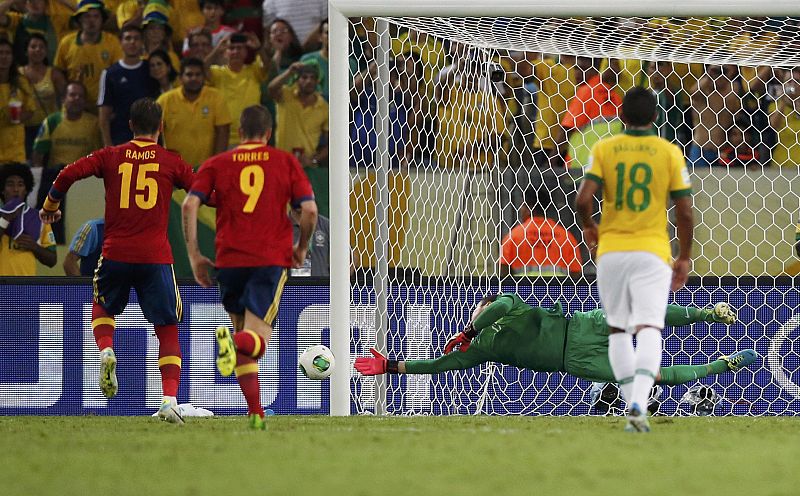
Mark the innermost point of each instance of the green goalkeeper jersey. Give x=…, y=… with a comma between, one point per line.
x=511, y=332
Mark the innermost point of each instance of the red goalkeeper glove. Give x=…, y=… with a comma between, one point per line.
x=376, y=365
x=462, y=340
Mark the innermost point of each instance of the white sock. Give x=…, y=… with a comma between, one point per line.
x=172, y=400
x=648, y=361
x=623, y=362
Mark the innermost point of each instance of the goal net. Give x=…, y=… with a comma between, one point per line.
x=462, y=129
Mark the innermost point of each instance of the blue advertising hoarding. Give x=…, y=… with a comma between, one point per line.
x=50, y=361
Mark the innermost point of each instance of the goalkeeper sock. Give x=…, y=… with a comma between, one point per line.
x=102, y=327
x=247, y=375
x=648, y=361
x=169, y=358
x=622, y=358
x=250, y=343
x=680, y=316
x=679, y=374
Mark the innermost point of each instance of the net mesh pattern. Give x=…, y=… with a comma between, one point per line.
x=468, y=138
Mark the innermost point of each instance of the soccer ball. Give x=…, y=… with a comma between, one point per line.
x=316, y=362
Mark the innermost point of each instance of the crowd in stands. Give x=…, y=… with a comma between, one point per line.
x=69, y=72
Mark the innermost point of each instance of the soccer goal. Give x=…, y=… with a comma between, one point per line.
x=453, y=121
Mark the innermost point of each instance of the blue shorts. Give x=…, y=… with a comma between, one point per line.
x=257, y=289
x=154, y=284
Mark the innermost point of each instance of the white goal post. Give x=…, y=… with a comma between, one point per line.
x=340, y=11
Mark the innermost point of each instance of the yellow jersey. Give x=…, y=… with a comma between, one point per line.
x=787, y=148
x=65, y=141
x=85, y=63
x=12, y=136
x=189, y=125
x=239, y=89
x=16, y=262
x=638, y=172
x=556, y=89
x=300, y=126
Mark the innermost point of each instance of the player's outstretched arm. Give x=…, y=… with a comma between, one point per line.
x=679, y=316
x=378, y=364
x=200, y=263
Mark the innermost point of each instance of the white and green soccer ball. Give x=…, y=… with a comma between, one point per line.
x=317, y=362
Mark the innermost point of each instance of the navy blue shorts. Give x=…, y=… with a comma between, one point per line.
x=257, y=289
x=154, y=284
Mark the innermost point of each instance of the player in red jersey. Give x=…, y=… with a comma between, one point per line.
x=252, y=184
x=139, y=177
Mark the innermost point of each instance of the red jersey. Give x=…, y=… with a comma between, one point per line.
x=139, y=177
x=253, y=184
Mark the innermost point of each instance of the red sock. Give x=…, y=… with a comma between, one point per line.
x=247, y=375
x=169, y=358
x=249, y=343
x=102, y=327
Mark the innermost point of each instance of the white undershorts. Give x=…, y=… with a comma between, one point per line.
x=634, y=289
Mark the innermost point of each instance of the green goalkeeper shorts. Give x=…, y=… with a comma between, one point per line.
x=586, y=353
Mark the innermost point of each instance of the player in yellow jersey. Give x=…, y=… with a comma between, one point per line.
x=637, y=173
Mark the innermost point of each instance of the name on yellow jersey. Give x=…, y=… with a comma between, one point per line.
x=635, y=147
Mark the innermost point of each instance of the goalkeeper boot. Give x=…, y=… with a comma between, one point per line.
x=226, y=356
x=257, y=422
x=740, y=359
x=108, y=373
x=637, y=420
x=169, y=412
x=723, y=313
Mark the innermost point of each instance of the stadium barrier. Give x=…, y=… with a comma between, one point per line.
x=50, y=362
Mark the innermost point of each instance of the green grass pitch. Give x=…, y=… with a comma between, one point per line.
x=399, y=456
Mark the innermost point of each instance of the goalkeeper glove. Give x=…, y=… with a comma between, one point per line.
x=376, y=365
x=461, y=340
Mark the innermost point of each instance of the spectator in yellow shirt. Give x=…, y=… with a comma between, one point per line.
x=24, y=240
x=196, y=119
x=64, y=137
x=47, y=87
x=239, y=83
x=83, y=55
x=301, y=115
x=16, y=106
x=157, y=30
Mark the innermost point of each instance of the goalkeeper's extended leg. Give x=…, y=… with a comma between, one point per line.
x=679, y=316
x=679, y=374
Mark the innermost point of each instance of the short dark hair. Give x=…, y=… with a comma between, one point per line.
x=238, y=38
x=205, y=33
x=192, y=62
x=255, y=121
x=145, y=116
x=76, y=83
x=16, y=169
x=639, y=106
x=129, y=27
x=221, y=3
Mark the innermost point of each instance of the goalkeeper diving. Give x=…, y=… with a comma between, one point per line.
x=505, y=329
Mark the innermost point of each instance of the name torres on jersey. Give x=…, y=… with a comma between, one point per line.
x=250, y=156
